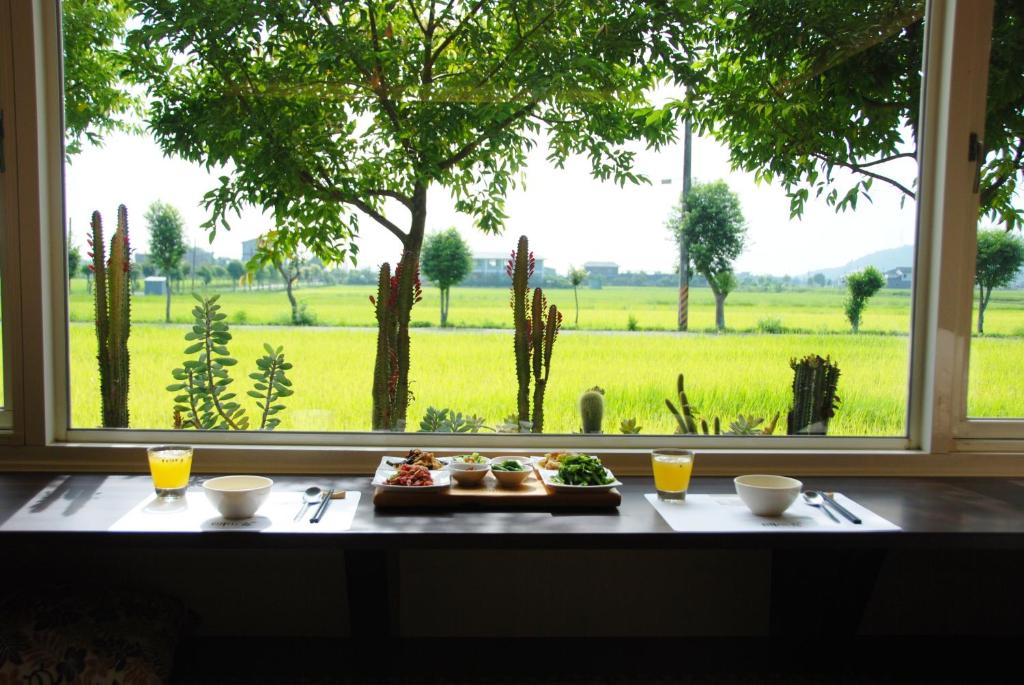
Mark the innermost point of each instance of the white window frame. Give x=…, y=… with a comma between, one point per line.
x=952, y=106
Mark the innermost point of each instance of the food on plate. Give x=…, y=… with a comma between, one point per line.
x=475, y=458
x=412, y=475
x=581, y=469
x=424, y=459
x=553, y=460
x=508, y=465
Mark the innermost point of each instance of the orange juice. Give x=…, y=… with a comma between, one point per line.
x=170, y=468
x=672, y=471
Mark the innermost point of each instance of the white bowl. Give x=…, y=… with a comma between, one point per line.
x=767, y=495
x=237, y=497
x=468, y=474
x=511, y=479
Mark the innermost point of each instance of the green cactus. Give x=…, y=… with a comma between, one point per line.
x=391, y=367
x=592, y=410
x=112, y=296
x=814, y=395
x=685, y=415
x=687, y=423
x=535, y=336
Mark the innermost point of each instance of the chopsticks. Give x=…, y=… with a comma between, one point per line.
x=840, y=508
x=328, y=496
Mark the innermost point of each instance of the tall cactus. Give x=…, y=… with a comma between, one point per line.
x=814, y=395
x=391, y=367
x=684, y=415
x=536, y=329
x=112, y=295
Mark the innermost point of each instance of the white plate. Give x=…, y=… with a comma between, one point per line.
x=546, y=475
x=442, y=481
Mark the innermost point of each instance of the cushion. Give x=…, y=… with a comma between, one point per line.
x=94, y=635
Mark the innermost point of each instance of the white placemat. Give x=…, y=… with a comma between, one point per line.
x=728, y=514
x=194, y=513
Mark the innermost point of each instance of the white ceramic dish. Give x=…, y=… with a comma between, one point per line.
x=547, y=475
x=468, y=474
x=442, y=481
x=392, y=462
x=767, y=495
x=511, y=479
x=237, y=497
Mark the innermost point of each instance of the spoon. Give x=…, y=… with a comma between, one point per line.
x=310, y=497
x=814, y=498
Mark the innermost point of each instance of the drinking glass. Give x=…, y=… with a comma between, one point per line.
x=170, y=466
x=672, y=470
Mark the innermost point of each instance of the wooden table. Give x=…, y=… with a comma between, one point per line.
x=948, y=514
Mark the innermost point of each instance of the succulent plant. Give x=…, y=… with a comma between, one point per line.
x=629, y=427
x=684, y=415
x=687, y=423
x=112, y=297
x=534, y=338
x=396, y=294
x=814, y=395
x=450, y=421
x=592, y=410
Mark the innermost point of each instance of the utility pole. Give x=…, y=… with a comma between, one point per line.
x=193, y=263
x=684, y=249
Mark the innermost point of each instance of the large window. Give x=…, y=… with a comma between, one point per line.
x=275, y=158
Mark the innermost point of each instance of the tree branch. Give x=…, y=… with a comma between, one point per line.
x=990, y=191
x=416, y=13
x=455, y=31
x=380, y=192
x=861, y=170
x=471, y=147
x=519, y=43
x=379, y=218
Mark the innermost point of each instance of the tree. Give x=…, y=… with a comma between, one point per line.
x=715, y=231
x=800, y=91
x=285, y=260
x=1000, y=257
x=205, y=274
x=446, y=261
x=576, y=278
x=818, y=279
x=166, y=244
x=74, y=258
x=862, y=285
x=322, y=111
x=236, y=270
x=96, y=100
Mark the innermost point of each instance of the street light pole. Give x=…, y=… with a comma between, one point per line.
x=684, y=249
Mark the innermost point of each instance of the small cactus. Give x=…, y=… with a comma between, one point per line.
x=592, y=410
x=112, y=297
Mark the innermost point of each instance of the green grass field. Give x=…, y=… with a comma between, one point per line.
x=473, y=371
x=818, y=310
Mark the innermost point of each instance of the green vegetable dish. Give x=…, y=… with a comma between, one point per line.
x=509, y=465
x=475, y=458
x=581, y=469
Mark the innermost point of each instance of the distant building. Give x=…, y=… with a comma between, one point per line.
x=602, y=268
x=155, y=285
x=197, y=257
x=489, y=269
x=249, y=249
x=901, y=277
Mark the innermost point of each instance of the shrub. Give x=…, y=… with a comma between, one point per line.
x=240, y=317
x=771, y=326
x=632, y=324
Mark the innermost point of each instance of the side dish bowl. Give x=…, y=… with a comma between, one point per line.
x=511, y=479
x=767, y=495
x=237, y=497
x=468, y=473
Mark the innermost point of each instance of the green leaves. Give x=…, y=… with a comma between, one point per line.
x=202, y=398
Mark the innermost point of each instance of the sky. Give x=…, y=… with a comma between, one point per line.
x=569, y=217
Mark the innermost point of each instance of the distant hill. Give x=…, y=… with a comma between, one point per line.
x=883, y=260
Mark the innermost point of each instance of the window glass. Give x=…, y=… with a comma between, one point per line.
x=996, y=386
x=325, y=201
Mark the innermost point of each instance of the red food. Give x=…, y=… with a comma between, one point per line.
x=412, y=475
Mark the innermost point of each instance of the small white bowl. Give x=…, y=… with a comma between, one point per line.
x=511, y=479
x=767, y=495
x=237, y=497
x=468, y=473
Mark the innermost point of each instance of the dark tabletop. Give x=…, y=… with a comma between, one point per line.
x=947, y=512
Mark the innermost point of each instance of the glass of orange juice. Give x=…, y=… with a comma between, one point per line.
x=170, y=466
x=672, y=470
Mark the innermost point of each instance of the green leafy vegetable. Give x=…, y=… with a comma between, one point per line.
x=581, y=469
x=510, y=465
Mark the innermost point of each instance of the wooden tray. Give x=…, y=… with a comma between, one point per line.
x=532, y=494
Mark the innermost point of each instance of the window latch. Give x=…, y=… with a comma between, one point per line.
x=974, y=154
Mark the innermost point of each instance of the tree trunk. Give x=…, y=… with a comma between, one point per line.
x=167, y=293
x=444, y=307
x=982, y=304
x=576, y=296
x=720, y=311
x=406, y=297
x=684, y=251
